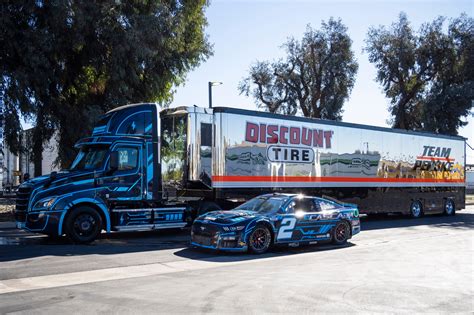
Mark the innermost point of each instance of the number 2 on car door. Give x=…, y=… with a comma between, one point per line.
x=286, y=228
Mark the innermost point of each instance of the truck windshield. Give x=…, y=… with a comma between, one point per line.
x=263, y=204
x=89, y=158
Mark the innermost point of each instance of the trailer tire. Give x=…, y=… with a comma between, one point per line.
x=207, y=206
x=416, y=209
x=341, y=233
x=83, y=225
x=449, y=207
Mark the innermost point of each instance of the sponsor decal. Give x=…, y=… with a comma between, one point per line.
x=281, y=134
x=290, y=154
x=289, y=144
x=434, y=159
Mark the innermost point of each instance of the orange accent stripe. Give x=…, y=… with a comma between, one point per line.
x=434, y=158
x=330, y=179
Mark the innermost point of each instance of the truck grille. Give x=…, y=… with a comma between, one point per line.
x=22, y=199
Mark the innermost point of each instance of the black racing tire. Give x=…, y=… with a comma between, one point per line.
x=416, y=209
x=341, y=233
x=83, y=225
x=449, y=207
x=260, y=240
x=207, y=206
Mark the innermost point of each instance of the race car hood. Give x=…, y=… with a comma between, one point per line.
x=228, y=217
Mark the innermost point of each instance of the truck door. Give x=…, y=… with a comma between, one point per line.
x=125, y=183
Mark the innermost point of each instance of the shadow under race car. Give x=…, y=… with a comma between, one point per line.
x=272, y=219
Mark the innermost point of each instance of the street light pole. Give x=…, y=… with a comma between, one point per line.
x=211, y=84
x=210, y=94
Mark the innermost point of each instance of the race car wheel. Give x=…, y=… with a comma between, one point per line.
x=416, y=210
x=83, y=225
x=449, y=208
x=341, y=233
x=259, y=240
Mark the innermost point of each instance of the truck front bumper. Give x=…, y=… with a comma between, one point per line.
x=46, y=222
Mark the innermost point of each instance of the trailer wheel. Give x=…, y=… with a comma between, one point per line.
x=259, y=240
x=83, y=225
x=341, y=233
x=416, y=210
x=449, y=208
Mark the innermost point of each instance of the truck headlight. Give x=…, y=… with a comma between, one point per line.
x=45, y=203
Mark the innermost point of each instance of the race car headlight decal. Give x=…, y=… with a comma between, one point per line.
x=233, y=228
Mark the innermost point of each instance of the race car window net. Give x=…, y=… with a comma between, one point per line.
x=303, y=204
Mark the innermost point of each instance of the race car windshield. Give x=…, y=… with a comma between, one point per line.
x=263, y=204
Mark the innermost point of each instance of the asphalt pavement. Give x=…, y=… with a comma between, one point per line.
x=395, y=265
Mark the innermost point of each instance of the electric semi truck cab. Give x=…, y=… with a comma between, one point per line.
x=114, y=183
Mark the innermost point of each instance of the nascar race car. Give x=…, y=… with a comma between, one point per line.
x=271, y=219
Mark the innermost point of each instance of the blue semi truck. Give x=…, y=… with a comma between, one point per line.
x=144, y=168
x=114, y=183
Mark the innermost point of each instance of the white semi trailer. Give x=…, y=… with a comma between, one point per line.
x=232, y=154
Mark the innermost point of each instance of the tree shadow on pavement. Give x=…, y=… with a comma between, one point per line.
x=16, y=244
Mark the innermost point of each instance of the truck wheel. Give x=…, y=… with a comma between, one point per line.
x=416, y=210
x=449, y=208
x=259, y=240
x=340, y=233
x=83, y=225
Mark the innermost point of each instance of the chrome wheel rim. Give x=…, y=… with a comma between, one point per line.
x=416, y=209
x=260, y=239
x=449, y=207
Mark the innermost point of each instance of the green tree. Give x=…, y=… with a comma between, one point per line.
x=65, y=62
x=315, y=78
x=427, y=75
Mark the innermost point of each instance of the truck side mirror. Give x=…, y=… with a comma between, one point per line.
x=114, y=161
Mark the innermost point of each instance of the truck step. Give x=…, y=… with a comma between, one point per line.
x=147, y=227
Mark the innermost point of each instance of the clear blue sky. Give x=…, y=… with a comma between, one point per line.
x=245, y=31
